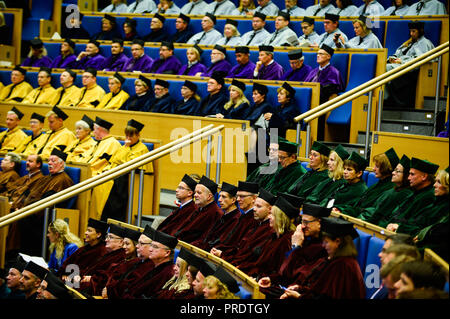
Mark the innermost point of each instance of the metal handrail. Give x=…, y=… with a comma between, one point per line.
x=108, y=175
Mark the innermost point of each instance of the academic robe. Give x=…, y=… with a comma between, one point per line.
x=156, y=36
x=224, y=7
x=307, y=39
x=24, y=185
x=164, y=104
x=212, y=104
x=324, y=189
x=80, y=150
x=231, y=41
x=60, y=138
x=172, y=222
x=346, y=194
x=61, y=62
x=181, y=36
x=15, y=92
x=370, y=41
x=435, y=237
x=38, y=62
x=307, y=182
x=90, y=97
x=270, y=9
x=67, y=96
x=7, y=178
x=139, y=102
x=273, y=71
x=169, y=294
x=428, y=7
x=298, y=74
x=318, y=11
x=242, y=71
x=410, y=51
x=219, y=230
x=254, y=37
x=255, y=112
x=112, y=101
x=193, y=69
x=222, y=65
x=295, y=11
x=205, y=38
x=171, y=65
x=328, y=38
x=396, y=11
x=349, y=11
x=107, y=35
x=371, y=9
x=186, y=107
x=56, y=263
x=194, y=8
x=199, y=223
x=263, y=179
x=282, y=37
x=143, y=64
x=238, y=112
x=40, y=95
x=115, y=62
x=10, y=139
x=283, y=117
x=102, y=153
x=96, y=61
x=330, y=81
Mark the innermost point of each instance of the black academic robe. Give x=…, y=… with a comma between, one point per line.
x=237, y=113
x=255, y=112
x=283, y=118
x=156, y=36
x=212, y=104
x=139, y=103
x=181, y=36
x=188, y=107
x=165, y=104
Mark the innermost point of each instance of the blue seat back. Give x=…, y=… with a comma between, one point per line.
x=176, y=251
x=9, y=21
x=373, y=264
x=371, y=179
x=362, y=244
x=243, y=293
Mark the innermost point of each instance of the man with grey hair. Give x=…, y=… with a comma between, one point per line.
x=12, y=137
x=209, y=35
x=299, y=69
x=10, y=168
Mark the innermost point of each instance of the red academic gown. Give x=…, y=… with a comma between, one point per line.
x=172, y=222
x=84, y=257
x=199, y=223
x=174, y=294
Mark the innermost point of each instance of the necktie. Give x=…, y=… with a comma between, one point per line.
x=364, y=9
x=199, y=39
x=10, y=91
x=360, y=40
x=274, y=36
x=408, y=48
x=40, y=90
x=419, y=7
x=317, y=11
x=251, y=38
x=48, y=138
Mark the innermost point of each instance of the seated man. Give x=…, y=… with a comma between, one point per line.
x=139, y=60
x=164, y=103
x=370, y=8
x=319, y=10
x=67, y=57
x=194, y=7
x=221, y=7
x=218, y=62
x=157, y=33
x=283, y=35
x=91, y=94
x=293, y=9
x=10, y=171
x=32, y=143
x=118, y=59
x=309, y=37
x=213, y=103
x=44, y=93
x=332, y=31
x=183, y=33
x=32, y=276
x=38, y=55
x=117, y=96
x=18, y=89
x=68, y=94
x=267, y=68
x=142, y=6
x=267, y=7
x=13, y=135
x=426, y=7
x=209, y=35
x=167, y=63
x=299, y=70
x=258, y=35
x=244, y=67
x=91, y=57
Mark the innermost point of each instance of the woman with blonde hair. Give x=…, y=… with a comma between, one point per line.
x=193, y=66
x=231, y=35
x=364, y=39
x=238, y=105
x=144, y=97
x=63, y=243
x=220, y=285
x=116, y=97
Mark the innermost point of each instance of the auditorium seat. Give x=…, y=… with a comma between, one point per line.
x=373, y=265
x=371, y=179
x=243, y=293
x=41, y=9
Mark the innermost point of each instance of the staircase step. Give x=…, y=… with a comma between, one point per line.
x=411, y=115
x=429, y=101
x=407, y=127
x=362, y=138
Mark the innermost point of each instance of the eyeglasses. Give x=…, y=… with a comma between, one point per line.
x=157, y=247
x=110, y=237
x=243, y=196
x=142, y=244
x=307, y=222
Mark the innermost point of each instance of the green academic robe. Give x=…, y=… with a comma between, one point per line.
x=308, y=182
x=346, y=194
x=323, y=190
x=286, y=177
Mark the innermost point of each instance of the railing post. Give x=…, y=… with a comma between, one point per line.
x=131, y=196
x=308, y=138
x=436, y=99
x=44, y=232
x=219, y=158
x=141, y=192
x=380, y=108
x=53, y=214
x=297, y=136
x=208, y=157
x=368, y=119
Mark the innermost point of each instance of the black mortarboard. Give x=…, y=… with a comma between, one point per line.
x=103, y=123
x=289, y=88
x=260, y=15
x=163, y=83
x=200, y=50
x=206, y=267
x=159, y=17
x=110, y=18
x=220, y=48
x=116, y=230
x=17, y=112
x=70, y=43
x=98, y=225
x=191, y=85
x=360, y=161
x=165, y=239
x=184, y=17
x=131, y=234
x=168, y=44
x=119, y=77
x=72, y=73
x=292, y=199
x=242, y=49
x=46, y=70
x=219, y=76
x=88, y=121
x=145, y=80
x=288, y=147
x=248, y=187
x=19, y=263
x=362, y=18
x=91, y=71
x=285, y=15
x=406, y=163
x=149, y=231
x=230, y=189
x=295, y=54
x=392, y=157
x=36, y=43
x=95, y=42
x=321, y=148
x=268, y=48
x=58, y=153
x=187, y=256
x=239, y=84
x=341, y=152
x=424, y=165
x=60, y=113
x=261, y=88
x=211, y=16
x=189, y=181
x=315, y=210
x=209, y=184
x=331, y=16
x=338, y=227
x=232, y=22
x=267, y=196
x=138, y=41
x=56, y=287
x=20, y=69
x=308, y=20
x=117, y=40
x=227, y=279
x=328, y=49
x=137, y=125
x=416, y=25
x=287, y=208
x=36, y=270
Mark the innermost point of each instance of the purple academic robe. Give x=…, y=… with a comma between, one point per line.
x=197, y=67
x=242, y=71
x=273, y=71
x=171, y=65
x=222, y=65
x=62, y=63
x=96, y=61
x=143, y=64
x=115, y=62
x=297, y=75
x=44, y=61
x=329, y=75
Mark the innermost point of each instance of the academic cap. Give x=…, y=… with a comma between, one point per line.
x=88, y=121
x=165, y=239
x=227, y=279
x=36, y=270
x=267, y=196
x=137, y=125
x=17, y=112
x=360, y=161
x=338, y=227
x=315, y=210
x=248, y=187
x=58, y=153
x=209, y=184
x=98, y=225
x=424, y=165
x=103, y=123
x=287, y=208
x=189, y=181
x=229, y=188
x=321, y=148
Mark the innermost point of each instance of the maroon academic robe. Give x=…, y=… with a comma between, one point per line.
x=272, y=257
x=172, y=222
x=151, y=282
x=84, y=257
x=174, y=294
x=219, y=231
x=199, y=223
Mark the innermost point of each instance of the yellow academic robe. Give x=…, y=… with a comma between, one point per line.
x=113, y=102
x=127, y=153
x=31, y=145
x=61, y=137
x=70, y=97
x=80, y=151
x=10, y=139
x=40, y=95
x=90, y=97
x=1, y=87
x=11, y=92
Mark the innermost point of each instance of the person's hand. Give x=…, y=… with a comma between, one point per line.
x=82, y=55
x=335, y=210
x=298, y=237
x=293, y=287
x=86, y=279
x=127, y=142
x=290, y=294
x=219, y=116
x=267, y=116
x=105, y=293
x=216, y=252
x=416, y=239
x=314, y=45
x=258, y=65
x=198, y=74
x=392, y=227
x=264, y=282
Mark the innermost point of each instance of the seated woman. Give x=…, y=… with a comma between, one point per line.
x=109, y=29
x=246, y=8
x=220, y=285
x=144, y=97
x=37, y=57
x=238, y=105
x=193, y=66
x=116, y=97
x=63, y=243
x=129, y=29
x=281, y=117
x=260, y=106
x=67, y=57
x=116, y=6
x=189, y=104
x=81, y=149
x=231, y=35
x=337, y=276
x=364, y=39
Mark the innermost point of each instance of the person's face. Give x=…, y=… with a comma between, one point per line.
x=136, y=51
x=324, y=2
x=280, y=23
x=358, y=29
x=98, y=132
x=160, y=91
x=261, y=210
x=129, y=246
x=414, y=33
x=54, y=123
x=143, y=247
x=55, y=164
x=272, y=220
x=17, y=77
x=257, y=97
x=258, y=23
x=210, y=291
x=91, y=235
x=36, y=126
x=398, y=3
x=228, y=31
x=404, y=284
x=382, y=254
x=52, y=236
x=416, y=178
x=13, y=278
x=81, y=133
x=116, y=48
x=155, y=24
x=389, y=284
x=176, y=268
x=245, y=3
x=189, y=276
x=264, y=57
x=7, y=163
x=32, y=164
x=339, y=4
x=65, y=79
x=310, y=226
x=88, y=79
x=226, y=201
x=207, y=24
x=139, y=88
x=197, y=284
x=106, y=25
x=216, y=55
x=186, y=92
x=114, y=86
x=314, y=159
x=282, y=97
x=133, y=138
x=307, y=28
x=28, y=281
x=43, y=78
x=113, y=242
x=91, y=48
x=273, y=151
x=202, y=195
x=165, y=52
x=329, y=25
x=191, y=56
x=376, y=170
x=397, y=174
x=234, y=94
x=262, y=3
x=295, y=64
x=332, y=163
x=65, y=47
x=12, y=121
x=42, y=293
x=330, y=245
x=323, y=57
x=439, y=189
x=246, y=200
x=180, y=25
x=242, y=58
x=212, y=86
x=284, y=159
x=158, y=251
x=127, y=28
x=351, y=175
